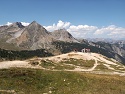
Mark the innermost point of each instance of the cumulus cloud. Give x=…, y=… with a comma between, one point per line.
x=79, y=31
x=25, y=23
x=86, y=31
x=82, y=31
x=105, y=30
x=59, y=25
x=111, y=31
x=8, y=23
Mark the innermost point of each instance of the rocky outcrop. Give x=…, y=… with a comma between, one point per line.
x=34, y=36
x=112, y=50
x=63, y=35
x=7, y=33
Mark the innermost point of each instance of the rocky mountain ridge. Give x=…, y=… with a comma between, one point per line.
x=34, y=36
x=62, y=35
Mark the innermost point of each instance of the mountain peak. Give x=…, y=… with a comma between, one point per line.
x=17, y=24
x=34, y=22
x=63, y=35
x=34, y=36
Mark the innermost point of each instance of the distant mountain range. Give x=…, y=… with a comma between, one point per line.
x=107, y=40
x=34, y=36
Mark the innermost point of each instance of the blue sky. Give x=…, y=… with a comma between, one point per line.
x=98, y=13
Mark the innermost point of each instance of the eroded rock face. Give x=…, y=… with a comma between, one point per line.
x=34, y=36
x=63, y=35
x=114, y=50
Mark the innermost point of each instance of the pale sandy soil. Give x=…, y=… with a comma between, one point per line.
x=8, y=91
x=77, y=55
x=9, y=64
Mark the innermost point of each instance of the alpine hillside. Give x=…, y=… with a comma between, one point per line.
x=34, y=36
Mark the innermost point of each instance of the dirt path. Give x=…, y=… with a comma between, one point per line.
x=9, y=64
x=76, y=55
x=100, y=57
x=7, y=91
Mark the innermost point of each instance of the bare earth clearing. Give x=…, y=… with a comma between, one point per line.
x=102, y=64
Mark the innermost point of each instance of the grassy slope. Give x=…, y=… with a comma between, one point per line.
x=31, y=81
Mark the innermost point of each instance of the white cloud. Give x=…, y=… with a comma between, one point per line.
x=86, y=31
x=111, y=31
x=8, y=23
x=62, y=24
x=105, y=30
x=82, y=31
x=25, y=23
x=59, y=25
